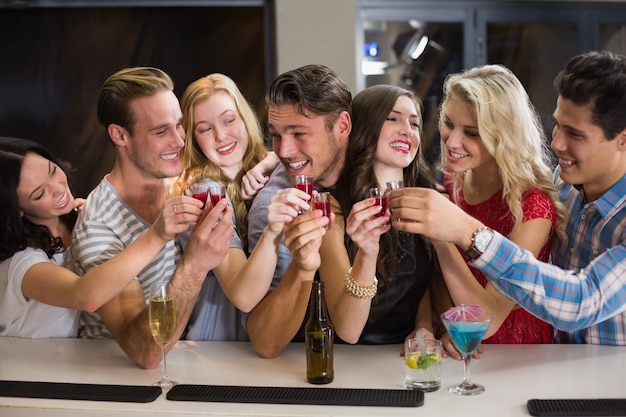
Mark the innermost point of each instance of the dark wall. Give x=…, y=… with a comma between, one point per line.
x=54, y=61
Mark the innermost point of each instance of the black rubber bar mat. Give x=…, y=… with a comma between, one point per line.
x=71, y=391
x=291, y=395
x=580, y=407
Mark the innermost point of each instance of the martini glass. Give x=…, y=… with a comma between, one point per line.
x=467, y=325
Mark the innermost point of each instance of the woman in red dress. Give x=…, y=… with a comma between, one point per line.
x=496, y=167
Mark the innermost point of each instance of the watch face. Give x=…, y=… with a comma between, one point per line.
x=482, y=239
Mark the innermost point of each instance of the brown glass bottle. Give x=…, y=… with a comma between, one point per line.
x=319, y=338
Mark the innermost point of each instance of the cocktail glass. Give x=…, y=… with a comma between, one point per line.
x=467, y=325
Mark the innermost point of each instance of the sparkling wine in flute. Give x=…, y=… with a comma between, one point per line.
x=162, y=319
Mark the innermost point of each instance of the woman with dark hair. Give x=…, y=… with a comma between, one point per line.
x=39, y=296
x=386, y=272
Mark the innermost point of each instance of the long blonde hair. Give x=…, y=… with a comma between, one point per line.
x=197, y=166
x=510, y=129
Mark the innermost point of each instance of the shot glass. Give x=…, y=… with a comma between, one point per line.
x=394, y=185
x=422, y=364
x=381, y=200
x=321, y=201
x=217, y=192
x=200, y=191
x=305, y=183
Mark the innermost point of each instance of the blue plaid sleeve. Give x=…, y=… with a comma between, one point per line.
x=569, y=300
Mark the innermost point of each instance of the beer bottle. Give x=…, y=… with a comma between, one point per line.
x=319, y=335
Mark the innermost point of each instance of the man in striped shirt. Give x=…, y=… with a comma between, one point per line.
x=584, y=290
x=143, y=120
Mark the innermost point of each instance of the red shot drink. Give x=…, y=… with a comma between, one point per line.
x=381, y=200
x=217, y=192
x=202, y=197
x=305, y=183
x=200, y=191
x=322, y=202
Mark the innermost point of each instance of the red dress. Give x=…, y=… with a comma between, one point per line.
x=520, y=326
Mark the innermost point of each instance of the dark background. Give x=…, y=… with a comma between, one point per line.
x=54, y=61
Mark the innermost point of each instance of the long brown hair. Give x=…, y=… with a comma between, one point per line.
x=370, y=109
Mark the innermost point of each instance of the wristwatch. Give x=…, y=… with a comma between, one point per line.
x=480, y=240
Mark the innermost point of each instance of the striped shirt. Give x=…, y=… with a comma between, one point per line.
x=585, y=291
x=104, y=228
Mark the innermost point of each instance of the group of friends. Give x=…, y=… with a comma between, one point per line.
x=541, y=249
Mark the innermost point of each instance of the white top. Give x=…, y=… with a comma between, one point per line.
x=30, y=318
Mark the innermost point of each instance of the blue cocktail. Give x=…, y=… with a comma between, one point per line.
x=467, y=325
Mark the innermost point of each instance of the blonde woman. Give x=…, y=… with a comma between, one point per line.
x=224, y=146
x=496, y=164
x=224, y=143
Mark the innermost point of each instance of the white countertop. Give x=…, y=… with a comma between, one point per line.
x=512, y=374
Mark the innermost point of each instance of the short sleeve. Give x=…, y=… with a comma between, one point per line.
x=537, y=205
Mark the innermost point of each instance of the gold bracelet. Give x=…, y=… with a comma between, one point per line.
x=357, y=290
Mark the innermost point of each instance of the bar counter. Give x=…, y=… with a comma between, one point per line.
x=512, y=374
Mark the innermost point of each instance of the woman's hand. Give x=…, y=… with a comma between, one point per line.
x=256, y=178
x=426, y=334
x=450, y=350
x=79, y=204
x=365, y=228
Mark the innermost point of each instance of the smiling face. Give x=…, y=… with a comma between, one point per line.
x=585, y=155
x=43, y=192
x=221, y=132
x=399, y=137
x=305, y=146
x=459, y=132
x=158, y=135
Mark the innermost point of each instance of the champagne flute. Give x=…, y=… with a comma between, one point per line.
x=162, y=323
x=467, y=325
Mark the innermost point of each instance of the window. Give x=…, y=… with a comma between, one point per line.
x=418, y=43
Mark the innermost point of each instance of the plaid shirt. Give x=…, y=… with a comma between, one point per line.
x=585, y=291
